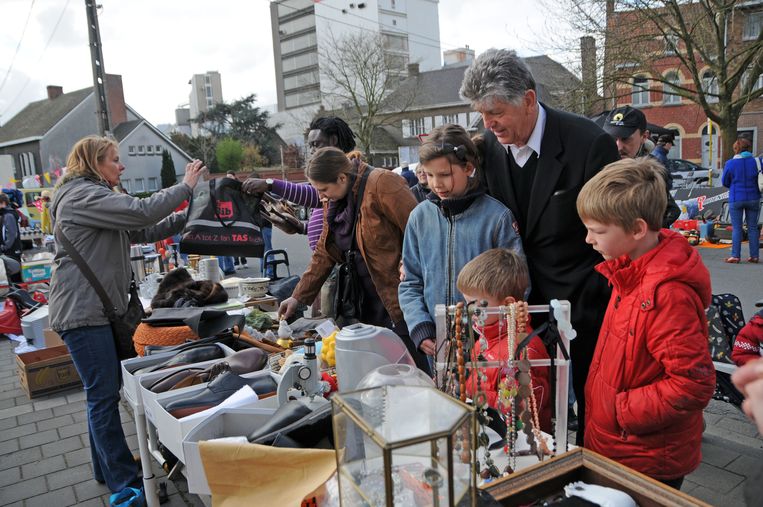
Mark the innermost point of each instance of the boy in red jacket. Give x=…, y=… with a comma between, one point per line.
x=500, y=277
x=651, y=373
x=748, y=342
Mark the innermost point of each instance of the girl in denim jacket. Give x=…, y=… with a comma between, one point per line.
x=456, y=222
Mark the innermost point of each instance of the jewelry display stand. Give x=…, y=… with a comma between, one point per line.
x=560, y=312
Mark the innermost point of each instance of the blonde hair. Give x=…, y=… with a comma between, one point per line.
x=625, y=191
x=498, y=273
x=89, y=151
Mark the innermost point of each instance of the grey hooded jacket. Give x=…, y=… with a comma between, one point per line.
x=101, y=224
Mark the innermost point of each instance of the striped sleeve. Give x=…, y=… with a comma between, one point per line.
x=299, y=193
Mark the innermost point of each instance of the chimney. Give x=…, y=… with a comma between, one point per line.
x=588, y=74
x=115, y=98
x=458, y=56
x=55, y=91
x=413, y=69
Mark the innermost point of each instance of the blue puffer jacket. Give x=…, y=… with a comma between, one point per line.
x=440, y=238
x=740, y=176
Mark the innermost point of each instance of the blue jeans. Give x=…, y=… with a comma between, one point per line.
x=751, y=210
x=95, y=357
x=267, y=239
x=226, y=264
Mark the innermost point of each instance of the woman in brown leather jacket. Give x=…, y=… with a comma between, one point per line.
x=384, y=208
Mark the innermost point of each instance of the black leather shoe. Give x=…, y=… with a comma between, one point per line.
x=191, y=356
x=217, y=391
x=295, y=424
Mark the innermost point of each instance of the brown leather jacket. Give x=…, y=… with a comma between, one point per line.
x=384, y=210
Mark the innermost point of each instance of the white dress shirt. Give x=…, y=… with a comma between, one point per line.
x=522, y=154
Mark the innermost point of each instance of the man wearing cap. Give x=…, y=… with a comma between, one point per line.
x=660, y=152
x=627, y=126
x=536, y=160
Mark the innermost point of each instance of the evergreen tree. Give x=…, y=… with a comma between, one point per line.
x=168, y=170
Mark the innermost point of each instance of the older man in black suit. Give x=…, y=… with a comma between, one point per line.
x=536, y=161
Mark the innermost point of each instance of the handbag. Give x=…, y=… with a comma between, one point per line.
x=122, y=326
x=349, y=292
x=221, y=223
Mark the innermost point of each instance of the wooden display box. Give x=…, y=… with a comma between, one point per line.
x=47, y=371
x=549, y=477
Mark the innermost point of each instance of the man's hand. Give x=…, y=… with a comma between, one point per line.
x=428, y=346
x=287, y=308
x=255, y=186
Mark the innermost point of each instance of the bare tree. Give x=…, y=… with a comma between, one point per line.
x=363, y=79
x=700, y=36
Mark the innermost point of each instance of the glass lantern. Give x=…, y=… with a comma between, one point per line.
x=403, y=445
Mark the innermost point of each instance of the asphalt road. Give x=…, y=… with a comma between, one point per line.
x=744, y=280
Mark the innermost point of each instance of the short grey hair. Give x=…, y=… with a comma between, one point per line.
x=497, y=74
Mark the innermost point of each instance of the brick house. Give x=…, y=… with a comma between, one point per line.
x=634, y=80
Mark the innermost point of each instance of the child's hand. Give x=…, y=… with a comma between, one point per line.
x=427, y=347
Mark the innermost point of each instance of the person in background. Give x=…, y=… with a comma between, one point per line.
x=627, y=126
x=740, y=176
x=421, y=189
x=11, y=235
x=45, y=212
x=101, y=224
x=664, y=145
x=747, y=344
x=406, y=173
x=651, y=374
x=228, y=263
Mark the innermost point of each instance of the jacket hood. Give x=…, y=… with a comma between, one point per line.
x=673, y=259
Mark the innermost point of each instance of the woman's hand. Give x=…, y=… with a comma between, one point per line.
x=193, y=171
x=255, y=186
x=287, y=308
x=427, y=346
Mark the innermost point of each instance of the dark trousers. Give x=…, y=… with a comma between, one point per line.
x=674, y=483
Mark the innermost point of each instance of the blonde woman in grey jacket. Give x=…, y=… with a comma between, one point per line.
x=101, y=223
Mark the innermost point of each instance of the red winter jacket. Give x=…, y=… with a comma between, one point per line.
x=651, y=373
x=498, y=350
x=748, y=342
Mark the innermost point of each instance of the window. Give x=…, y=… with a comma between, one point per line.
x=158, y=149
x=753, y=24
x=153, y=184
x=141, y=149
x=302, y=98
x=301, y=80
x=395, y=42
x=297, y=25
x=299, y=43
x=150, y=149
x=450, y=118
x=131, y=150
x=710, y=86
x=299, y=61
x=668, y=88
x=28, y=167
x=640, y=93
x=418, y=127
x=125, y=184
x=139, y=187
x=671, y=44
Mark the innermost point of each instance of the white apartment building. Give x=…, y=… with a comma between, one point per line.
x=206, y=91
x=302, y=28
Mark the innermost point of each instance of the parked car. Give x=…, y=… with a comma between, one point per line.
x=687, y=174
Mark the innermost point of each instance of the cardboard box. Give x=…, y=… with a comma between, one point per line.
x=173, y=431
x=51, y=338
x=36, y=271
x=546, y=478
x=228, y=422
x=47, y=371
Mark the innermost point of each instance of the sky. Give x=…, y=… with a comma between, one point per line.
x=158, y=45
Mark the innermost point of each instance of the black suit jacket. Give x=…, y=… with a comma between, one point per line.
x=573, y=149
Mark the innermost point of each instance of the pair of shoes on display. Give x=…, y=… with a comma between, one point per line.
x=218, y=391
x=732, y=260
x=190, y=356
x=572, y=420
x=297, y=424
x=243, y=361
x=753, y=260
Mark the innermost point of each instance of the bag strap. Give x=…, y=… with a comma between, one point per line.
x=757, y=163
x=361, y=190
x=86, y=271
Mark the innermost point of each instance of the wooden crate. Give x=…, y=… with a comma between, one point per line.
x=47, y=371
x=546, y=478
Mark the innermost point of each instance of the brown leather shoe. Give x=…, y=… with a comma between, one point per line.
x=753, y=260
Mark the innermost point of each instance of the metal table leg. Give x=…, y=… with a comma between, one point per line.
x=149, y=486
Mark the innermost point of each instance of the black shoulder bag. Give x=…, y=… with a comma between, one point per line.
x=122, y=326
x=349, y=292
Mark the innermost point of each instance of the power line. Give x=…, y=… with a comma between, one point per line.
x=18, y=46
x=39, y=59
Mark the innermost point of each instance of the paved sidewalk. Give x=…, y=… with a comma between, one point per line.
x=45, y=455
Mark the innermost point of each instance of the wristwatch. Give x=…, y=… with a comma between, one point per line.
x=269, y=183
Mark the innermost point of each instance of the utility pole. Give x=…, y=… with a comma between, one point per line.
x=96, y=60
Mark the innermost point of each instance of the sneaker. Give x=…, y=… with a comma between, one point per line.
x=732, y=260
